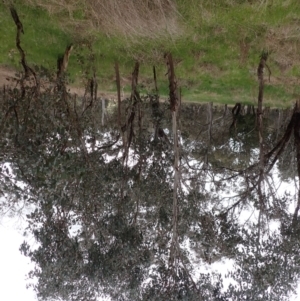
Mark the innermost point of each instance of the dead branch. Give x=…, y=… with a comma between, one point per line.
x=110, y=144
x=134, y=82
x=16, y=19
x=155, y=80
x=235, y=113
x=260, y=75
x=172, y=82
x=174, y=249
x=297, y=147
x=27, y=69
x=118, y=83
x=63, y=61
x=62, y=64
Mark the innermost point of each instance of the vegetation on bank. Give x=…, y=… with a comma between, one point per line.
x=215, y=44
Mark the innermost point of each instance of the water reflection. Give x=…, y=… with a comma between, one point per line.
x=103, y=182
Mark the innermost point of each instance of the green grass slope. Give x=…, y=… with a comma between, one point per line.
x=216, y=44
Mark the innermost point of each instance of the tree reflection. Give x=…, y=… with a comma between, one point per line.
x=135, y=207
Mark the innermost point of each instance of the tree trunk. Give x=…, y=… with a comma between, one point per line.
x=260, y=75
x=174, y=250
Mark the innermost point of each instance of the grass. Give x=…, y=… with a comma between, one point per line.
x=43, y=39
x=215, y=44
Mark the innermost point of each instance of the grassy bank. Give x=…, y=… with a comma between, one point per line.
x=216, y=45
